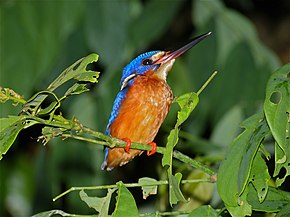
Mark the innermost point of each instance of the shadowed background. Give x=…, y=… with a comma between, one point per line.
x=39, y=39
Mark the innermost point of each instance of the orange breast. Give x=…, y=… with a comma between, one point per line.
x=140, y=116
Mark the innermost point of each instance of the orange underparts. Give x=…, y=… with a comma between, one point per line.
x=149, y=153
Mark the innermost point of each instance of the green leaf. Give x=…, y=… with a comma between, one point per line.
x=101, y=205
x=277, y=110
x=51, y=213
x=8, y=122
x=243, y=208
x=77, y=71
x=175, y=193
x=9, y=129
x=56, y=213
x=274, y=201
x=48, y=109
x=125, y=205
x=172, y=140
x=258, y=133
x=260, y=176
x=203, y=211
x=148, y=190
x=284, y=212
x=76, y=89
x=235, y=170
x=187, y=103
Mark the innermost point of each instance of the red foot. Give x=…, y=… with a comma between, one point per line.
x=129, y=143
x=153, y=150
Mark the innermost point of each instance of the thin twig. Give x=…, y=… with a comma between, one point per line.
x=207, y=82
x=128, y=185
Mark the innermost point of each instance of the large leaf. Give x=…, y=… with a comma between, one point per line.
x=235, y=169
x=260, y=176
x=100, y=204
x=284, y=212
x=277, y=110
x=275, y=200
x=125, y=205
x=9, y=129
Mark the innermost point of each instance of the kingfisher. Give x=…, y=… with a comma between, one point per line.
x=142, y=103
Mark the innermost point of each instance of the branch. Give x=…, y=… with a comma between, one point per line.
x=128, y=185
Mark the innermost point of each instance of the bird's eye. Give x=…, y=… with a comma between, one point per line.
x=147, y=62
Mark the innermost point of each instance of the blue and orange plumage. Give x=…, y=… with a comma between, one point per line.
x=142, y=103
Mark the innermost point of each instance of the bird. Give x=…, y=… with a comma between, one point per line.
x=142, y=103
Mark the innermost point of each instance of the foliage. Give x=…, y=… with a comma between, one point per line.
x=55, y=34
x=243, y=177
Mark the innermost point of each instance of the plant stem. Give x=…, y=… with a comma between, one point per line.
x=121, y=144
x=128, y=185
x=207, y=82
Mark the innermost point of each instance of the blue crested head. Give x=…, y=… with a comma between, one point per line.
x=138, y=66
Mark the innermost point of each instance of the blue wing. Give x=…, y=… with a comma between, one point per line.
x=114, y=113
x=116, y=108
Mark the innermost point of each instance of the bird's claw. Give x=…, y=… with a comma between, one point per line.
x=128, y=146
x=153, y=150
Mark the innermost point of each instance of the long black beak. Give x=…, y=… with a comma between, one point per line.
x=178, y=52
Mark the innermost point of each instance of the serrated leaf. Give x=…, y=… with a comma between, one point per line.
x=203, y=211
x=175, y=194
x=125, y=205
x=277, y=110
x=234, y=171
x=100, y=204
x=10, y=127
x=148, y=190
x=274, y=201
x=77, y=71
x=260, y=176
